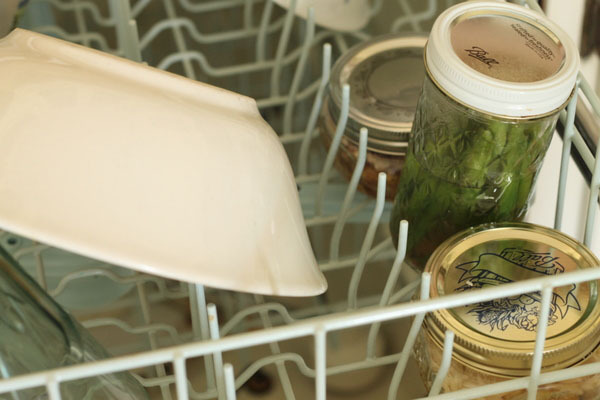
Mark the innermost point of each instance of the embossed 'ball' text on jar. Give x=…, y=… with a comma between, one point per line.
x=497, y=76
x=495, y=340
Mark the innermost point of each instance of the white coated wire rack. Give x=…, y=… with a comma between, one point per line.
x=166, y=332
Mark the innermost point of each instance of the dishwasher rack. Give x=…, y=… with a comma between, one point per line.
x=283, y=62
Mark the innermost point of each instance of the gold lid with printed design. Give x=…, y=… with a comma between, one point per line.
x=498, y=336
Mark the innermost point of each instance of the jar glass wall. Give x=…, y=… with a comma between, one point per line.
x=463, y=168
x=428, y=355
x=375, y=162
x=383, y=76
x=38, y=335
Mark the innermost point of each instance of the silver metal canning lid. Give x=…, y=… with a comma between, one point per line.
x=385, y=77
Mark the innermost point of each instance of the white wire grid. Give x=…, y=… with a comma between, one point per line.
x=284, y=62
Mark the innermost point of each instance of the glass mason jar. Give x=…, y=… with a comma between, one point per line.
x=495, y=340
x=384, y=76
x=38, y=335
x=484, y=121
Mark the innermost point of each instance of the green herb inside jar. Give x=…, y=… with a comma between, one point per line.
x=497, y=75
x=464, y=168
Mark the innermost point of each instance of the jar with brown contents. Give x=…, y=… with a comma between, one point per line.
x=495, y=340
x=385, y=76
x=375, y=162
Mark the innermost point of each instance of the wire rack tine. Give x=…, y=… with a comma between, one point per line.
x=121, y=14
x=314, y=112
x=590, y=94
x=284, y=378
x=538, y=353
x=138, y=7
x=436, y=387
x=299, y=73
x=592, y=201
x=389, y=284
x=410, y=341
x=217, y=356
x=333, y=149
x=134, y=48
x=566, y=156
x=179, y=39
x=248, y=6
x=368, y=241
x=262, y=32
x=40, y=269
x=320, y=364
x=229, y=382
x=338, y=228
x=81, y=25
x=126, y=28
x=53, y=387
x=205, y=333
x=194, y=312
x=282, y=47
x=397, y=265
x=147, y=318
x=181, y=383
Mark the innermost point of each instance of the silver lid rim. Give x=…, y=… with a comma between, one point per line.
x=357, y=119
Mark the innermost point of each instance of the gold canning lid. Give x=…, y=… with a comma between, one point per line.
x=498, y=336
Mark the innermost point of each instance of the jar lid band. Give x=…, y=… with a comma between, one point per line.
x=502, y=58
x=498, y=336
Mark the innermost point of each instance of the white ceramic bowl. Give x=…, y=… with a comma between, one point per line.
x=124, y=163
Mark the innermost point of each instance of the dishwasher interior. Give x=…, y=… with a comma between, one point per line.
x=349, y=343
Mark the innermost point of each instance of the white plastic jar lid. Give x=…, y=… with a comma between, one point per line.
x=502, y=59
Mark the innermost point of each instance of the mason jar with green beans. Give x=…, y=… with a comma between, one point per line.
x=497, y=77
